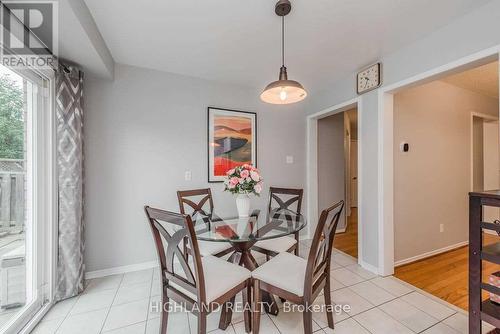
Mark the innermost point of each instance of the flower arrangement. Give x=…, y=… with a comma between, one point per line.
x=243, y=179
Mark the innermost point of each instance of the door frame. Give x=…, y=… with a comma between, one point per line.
x=479, y=115
x=357, y=176
x=44, y=206
x=312, y=167
x=386, y=145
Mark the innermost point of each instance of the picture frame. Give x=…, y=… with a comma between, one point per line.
x=231, y=141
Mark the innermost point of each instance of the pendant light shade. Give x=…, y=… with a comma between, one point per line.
x=283, y=91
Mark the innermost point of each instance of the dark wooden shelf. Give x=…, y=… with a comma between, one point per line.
x=491, y=253
x=478, y=309
x=491, y=288
x=490, y=312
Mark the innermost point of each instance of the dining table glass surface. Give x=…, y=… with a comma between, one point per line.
x=258, y=226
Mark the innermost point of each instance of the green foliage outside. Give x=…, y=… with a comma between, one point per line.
x=11, y=119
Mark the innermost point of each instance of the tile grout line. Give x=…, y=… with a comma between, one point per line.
x=361, y=325
x=442, y=322
x=109, y=309
x=374, y=307
x=399, y=322
x=67, y=314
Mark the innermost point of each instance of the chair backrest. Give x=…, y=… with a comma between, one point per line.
x=196, y=200
x=285, y=199
x=318, y=262
x=169, y=231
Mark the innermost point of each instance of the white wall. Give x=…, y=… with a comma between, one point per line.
x=471, y=33
x=432, y=180
x=331, y=163
x=143, y=131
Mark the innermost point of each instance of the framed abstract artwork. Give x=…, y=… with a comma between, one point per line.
x=232, y=141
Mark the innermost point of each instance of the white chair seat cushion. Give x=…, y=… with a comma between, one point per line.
x=212, y=248
x=277, y=245
x=220, y=277
x=285, y=271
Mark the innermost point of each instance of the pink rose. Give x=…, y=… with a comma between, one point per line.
x=234, y=181
x=258, y=188
x=230, y=172
x=244, y=174
x=255, y=176
x=231, y=186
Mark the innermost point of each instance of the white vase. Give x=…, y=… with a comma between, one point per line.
x=243, y=205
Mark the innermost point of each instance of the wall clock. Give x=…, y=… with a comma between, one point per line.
x=369, y=78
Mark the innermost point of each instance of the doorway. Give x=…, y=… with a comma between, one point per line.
x=337, y=173
x=445, y=144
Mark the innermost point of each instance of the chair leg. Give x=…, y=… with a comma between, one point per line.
x=202, y=323
x=328, y=302
x=226, y=314
x=256, y=307
x=297, y=244
x=247, y=314
x=307, y=318
x=164, y=314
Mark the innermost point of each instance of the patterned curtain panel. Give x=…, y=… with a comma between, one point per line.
x=69, y=109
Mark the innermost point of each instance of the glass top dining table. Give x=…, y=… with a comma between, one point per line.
x=248, y=230
x=243, y=232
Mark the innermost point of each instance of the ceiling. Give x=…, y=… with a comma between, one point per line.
x=482, y=79
x=238, y=41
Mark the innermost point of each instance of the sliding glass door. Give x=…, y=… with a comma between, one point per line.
x=26, y=197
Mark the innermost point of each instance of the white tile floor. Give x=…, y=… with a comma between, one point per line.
x=120, y=305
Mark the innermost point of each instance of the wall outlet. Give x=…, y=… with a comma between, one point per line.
x=289, y=159
x=187, y=175
x=441, y=228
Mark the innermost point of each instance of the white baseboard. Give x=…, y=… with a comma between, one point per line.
x=368, y=267
x=121, y=270
x=492, y=232
x=341, y=230
x=431, y=253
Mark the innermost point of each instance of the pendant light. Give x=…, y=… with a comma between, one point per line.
x=283, y=91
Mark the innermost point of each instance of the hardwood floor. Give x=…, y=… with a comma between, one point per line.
x=347, y=242
x=446, y=275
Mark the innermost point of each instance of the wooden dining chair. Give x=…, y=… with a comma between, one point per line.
x=199, y=203
x=298, y=280
x=200, y=287
x=281, y=199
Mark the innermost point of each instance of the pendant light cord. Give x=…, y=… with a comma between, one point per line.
x=283, y=40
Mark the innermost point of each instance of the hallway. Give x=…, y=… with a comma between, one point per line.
x=347, y=241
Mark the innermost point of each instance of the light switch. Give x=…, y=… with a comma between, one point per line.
x=187, y=175
x=289, y=159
